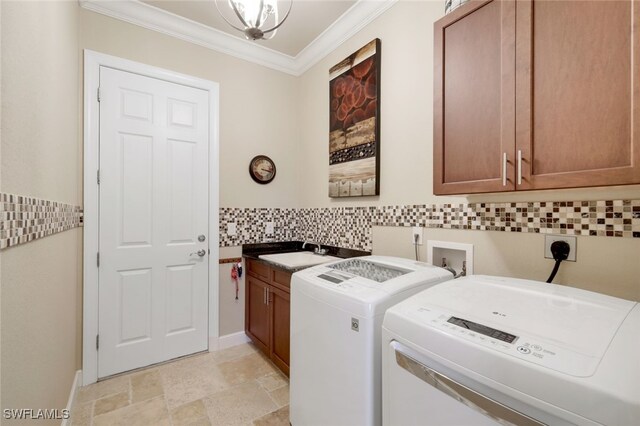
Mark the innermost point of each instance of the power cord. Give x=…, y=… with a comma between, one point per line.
x=560, y=251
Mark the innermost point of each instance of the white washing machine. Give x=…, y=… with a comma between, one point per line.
x=489, y=350
x=336, y=318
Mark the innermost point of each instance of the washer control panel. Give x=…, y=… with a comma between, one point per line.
x=521, y=346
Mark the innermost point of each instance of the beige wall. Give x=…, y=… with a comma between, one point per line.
x=406, y=163
x=257, y=105
x=406, y=158
x=231, y=310
x=606, y=265
x=40, y=157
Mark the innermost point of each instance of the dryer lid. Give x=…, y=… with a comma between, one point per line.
x=567, y=317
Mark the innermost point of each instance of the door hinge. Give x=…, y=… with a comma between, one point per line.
x=98, y=176
x=97, y=341
x=98, y=259
x=98, y=94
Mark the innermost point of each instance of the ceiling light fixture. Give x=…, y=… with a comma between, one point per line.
x=255, y=16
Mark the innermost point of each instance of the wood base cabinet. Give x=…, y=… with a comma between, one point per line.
x=267, y=311
x=537, y=94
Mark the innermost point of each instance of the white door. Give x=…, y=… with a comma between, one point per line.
x=153, y=283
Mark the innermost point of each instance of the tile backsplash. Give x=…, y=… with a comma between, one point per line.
x=24, y=219
x=350, y=227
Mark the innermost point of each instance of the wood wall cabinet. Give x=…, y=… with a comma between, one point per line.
x=267, y=311
x=537, y=94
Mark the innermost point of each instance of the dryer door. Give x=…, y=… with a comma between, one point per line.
x=444, y=401
x=417, y=390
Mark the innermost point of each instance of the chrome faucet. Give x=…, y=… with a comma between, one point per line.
x=318, y=250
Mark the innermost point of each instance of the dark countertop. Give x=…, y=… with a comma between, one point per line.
x=253, y=251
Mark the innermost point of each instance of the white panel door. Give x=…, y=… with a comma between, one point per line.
x=153, y=283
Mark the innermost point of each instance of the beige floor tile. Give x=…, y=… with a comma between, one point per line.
x=188, y=362
x=233, y=352
x=273, y=381
x=145, y=385
x=150, y=412
x=201, y=422
x=110, y=403
x=246, y=368
x=280, y=396
x=239, y=405
x=279, y=417
x=190, y=413
x=185, y=383
x=81, y=414
x=218, y=388
x=101, y=389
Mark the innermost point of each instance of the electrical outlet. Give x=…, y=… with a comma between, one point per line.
x=416, y=230
x=231, y=229
x=569, y=239
x=268, y=229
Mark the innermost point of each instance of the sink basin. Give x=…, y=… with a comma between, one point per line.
x=298, y=259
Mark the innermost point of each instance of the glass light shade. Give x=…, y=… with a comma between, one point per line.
x=258, y=17
x=251, y=13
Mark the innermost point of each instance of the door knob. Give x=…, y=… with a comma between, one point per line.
x=200, y=253
x=201, y=237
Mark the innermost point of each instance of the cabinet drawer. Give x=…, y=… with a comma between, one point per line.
x=281, y=279
x=258, y=269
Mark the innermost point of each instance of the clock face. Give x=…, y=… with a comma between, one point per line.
x=262, y=169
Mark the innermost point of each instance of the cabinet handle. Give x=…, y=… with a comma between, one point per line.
x=519, y=167
x=504, y=169
x=264, y=296
x=267, y=296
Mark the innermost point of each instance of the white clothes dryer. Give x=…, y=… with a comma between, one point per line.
x=490, y=350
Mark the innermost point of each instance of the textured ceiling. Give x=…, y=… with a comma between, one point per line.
x=308, y=19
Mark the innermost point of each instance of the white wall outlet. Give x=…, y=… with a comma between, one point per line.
x=570, y=239
x=231, y=229
x=268, y=229
x=416, y=230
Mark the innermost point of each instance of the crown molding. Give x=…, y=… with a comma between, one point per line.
x=153, y=18
x=362, y=13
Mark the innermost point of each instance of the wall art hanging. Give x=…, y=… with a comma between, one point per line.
x=354, y=128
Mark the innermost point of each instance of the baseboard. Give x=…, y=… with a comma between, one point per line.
x=77, y=382
x=230, y=340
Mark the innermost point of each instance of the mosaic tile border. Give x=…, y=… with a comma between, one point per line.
x=24, y=219
x=350, y=227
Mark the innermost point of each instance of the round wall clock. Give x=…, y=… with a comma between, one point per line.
x=262, y=169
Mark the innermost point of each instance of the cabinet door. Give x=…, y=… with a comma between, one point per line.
x=256, y=314
x=280, y=314
x=578, y=93
x=474, y=99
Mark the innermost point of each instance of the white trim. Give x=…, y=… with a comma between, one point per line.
x=92, y=63
x=229, y=340
x=77, y=380
x=361, y=14
x=153, y=18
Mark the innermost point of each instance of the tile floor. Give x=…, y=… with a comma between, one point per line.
x=235, y=386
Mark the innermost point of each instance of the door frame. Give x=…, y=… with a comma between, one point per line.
x=92, y=63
